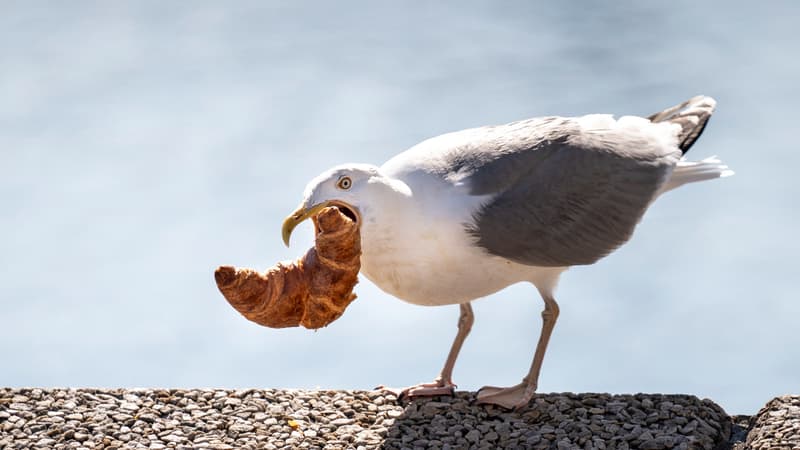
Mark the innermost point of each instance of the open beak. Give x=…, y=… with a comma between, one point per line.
x=302, y=213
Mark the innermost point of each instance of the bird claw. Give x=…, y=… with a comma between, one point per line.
x=514, y=397
x=397, y=392
x=425, y=390
x=432, y=389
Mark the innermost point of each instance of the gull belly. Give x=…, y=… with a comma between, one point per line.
x=419, y=250
x=434, y=271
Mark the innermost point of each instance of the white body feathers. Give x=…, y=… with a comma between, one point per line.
x=417, y=209
x=420, y=251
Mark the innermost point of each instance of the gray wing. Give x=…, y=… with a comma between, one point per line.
x=562, y=195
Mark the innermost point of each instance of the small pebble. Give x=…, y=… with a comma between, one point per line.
x=222, y=419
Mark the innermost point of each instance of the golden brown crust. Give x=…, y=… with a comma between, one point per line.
x=312, y=291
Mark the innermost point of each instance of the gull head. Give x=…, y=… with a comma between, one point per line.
x=358, y=190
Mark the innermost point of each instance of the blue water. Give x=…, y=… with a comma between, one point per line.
x=144, y=143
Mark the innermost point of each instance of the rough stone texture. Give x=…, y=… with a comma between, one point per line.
x=740, y=426
x=776, y=426
x=269, y=419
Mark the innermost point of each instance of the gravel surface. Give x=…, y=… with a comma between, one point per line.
x=777, y=425
x=269, y=419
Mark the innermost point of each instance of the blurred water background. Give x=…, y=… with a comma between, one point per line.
x=144, y=143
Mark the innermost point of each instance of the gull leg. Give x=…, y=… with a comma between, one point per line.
x=443, y=384
x=519, y=395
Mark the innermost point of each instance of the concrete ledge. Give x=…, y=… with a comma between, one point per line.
x=271, y=418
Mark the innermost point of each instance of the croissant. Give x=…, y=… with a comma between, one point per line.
x=312, y=291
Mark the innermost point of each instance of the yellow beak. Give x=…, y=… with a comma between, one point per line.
x=302, y=213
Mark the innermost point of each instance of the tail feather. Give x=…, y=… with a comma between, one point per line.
x=692, y=116
x=692, y=171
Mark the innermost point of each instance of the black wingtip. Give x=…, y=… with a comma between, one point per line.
x=692, y=116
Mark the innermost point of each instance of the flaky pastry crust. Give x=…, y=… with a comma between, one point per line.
x=312, y=291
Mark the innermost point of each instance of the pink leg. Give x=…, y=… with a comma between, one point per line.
x=443, y=384
x=519, y=395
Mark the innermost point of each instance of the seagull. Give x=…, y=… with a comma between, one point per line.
x=463, y=215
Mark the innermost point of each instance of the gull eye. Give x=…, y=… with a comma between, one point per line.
x=344, y=183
